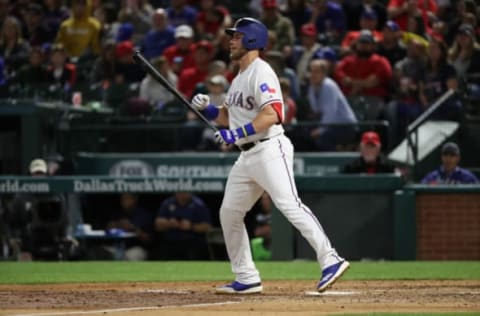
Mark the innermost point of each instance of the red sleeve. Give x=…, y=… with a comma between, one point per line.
x=278, y=107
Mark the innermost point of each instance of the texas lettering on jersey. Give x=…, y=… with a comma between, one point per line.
x=236, y=99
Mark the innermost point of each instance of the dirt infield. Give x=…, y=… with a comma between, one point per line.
x=279, y=298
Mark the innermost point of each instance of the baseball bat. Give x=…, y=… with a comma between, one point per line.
x=139, y=58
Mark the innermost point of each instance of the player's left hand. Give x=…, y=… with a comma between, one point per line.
x=226, y=136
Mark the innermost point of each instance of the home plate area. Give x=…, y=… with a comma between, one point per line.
x=279, y=298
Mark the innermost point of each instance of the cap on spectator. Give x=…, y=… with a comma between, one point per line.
x=38, y=166
x=466, y=29
x=125, y=32
x=327, y=53
x=366, y=36
x=219, y=80
x=267, y=4
x=184, y=31
x=392, y=25
x=123, y=49
x=369, y=14
x=450, y=148
x=309, y=29
x=203, y=44
x=371, y=137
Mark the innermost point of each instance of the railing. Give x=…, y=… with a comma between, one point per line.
x=412, y=129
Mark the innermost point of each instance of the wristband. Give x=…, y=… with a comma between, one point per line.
x=245, y=130
x=210, y=112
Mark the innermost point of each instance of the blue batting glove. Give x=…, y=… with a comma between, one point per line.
x=226, y=136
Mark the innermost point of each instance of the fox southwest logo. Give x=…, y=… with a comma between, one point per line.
x=265, y=88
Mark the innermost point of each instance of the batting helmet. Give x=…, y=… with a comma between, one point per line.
x=255, y=33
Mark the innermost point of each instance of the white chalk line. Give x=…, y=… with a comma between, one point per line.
x=127, y=309
x=332, y=293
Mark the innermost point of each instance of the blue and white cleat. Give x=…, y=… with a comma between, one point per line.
x=331, y=274
x=240, y=288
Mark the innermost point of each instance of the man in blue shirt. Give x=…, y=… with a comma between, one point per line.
x=159, y=37
x=182, y=220
x=328, y=104
x=449, y=172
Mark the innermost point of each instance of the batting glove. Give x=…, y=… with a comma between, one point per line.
x=200, y=101
x=226, y=136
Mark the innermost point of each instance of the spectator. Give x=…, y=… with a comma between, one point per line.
x=299, y=12
x=54, y=14
x=132, y=218
x=439, y=77
x=153, y=91
x=276, y=59
x=126, y=67
x=80, y=34
x=290, y=104
x=216, y=90
x=180, y=13
x=329, y=106
x=38, y=221
x=60, y=73
x=124, y=32
x=302, y=54
x=329, y=18
x=183, y=220
x=280, y=25
x=13, y=48
x=365, y=77
x=179, y=55
x=368, y=21
x=371, y=160
x=355, y=9
x=390, y=46
x=37, y=32
x=32, y=76
x=103, y=69
x=190, y=77
x=450, y=172
x=160, y=36
x=465, y=56
x=330, y=56
x=405, y=106
x=405, y=11
x=138, y=13
x=211, y=21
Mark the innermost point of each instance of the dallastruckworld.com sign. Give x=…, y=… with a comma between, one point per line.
x=105, y=184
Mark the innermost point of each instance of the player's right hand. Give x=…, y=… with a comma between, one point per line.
x=200, y=101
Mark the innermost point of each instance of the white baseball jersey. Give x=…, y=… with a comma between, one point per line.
x=252, y=90
x=267, y=166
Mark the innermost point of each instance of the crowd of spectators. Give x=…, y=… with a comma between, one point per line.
x=385, y=59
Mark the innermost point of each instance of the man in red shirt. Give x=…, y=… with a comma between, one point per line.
x=190, y=77
x=365, y=74
x=179, y=55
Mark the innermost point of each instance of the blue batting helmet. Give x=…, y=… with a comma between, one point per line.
x=255, y=33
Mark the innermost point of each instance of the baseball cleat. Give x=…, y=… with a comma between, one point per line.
x=239, y=288
x=331, y=274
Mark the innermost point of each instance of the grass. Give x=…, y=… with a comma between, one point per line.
x=148, y=271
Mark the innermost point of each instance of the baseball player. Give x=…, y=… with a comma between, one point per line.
x=254, y=111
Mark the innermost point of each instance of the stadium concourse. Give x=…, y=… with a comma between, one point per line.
x=280, y=298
